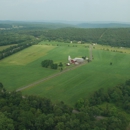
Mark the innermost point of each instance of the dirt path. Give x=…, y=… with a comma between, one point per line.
x=57, y=74
x=90, y=52
x=102, y=34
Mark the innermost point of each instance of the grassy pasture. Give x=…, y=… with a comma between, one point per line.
x=27, y=55
x=54, y=43
x=112, y=49
x=79, y=83
x=24, y=67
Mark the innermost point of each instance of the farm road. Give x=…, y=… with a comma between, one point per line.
x=57, y=74
x=90, y=53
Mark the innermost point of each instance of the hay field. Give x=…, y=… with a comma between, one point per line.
x=24, y=67
x=81, y=82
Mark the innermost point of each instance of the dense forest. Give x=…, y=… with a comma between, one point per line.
x=35, y=32
x=114, y=37
x=103, y=110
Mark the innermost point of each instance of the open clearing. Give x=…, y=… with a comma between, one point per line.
x=82, y=81
x=28, y=55
x=24, y=68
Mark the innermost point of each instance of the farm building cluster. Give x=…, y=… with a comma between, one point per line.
x=76, y=60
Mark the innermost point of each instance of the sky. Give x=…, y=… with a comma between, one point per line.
x=66, y=10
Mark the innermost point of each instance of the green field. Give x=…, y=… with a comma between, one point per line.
x=24, y=68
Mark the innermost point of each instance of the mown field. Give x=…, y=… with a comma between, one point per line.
x=82, y=81
x=24, y=68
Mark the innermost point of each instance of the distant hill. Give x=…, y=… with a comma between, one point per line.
x=103, y=25
x=33, y=24
x=62, y=24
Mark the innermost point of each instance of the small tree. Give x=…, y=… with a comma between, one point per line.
x=55, y=66
x=1, y=85
x=61, y=69
x=61, y=65
x=128, y=82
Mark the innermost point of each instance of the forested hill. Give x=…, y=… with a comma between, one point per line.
x=103, y=25
x=104, y=110
x=31, y=32
x=32, y=25
x=60, y=24
x=105, y=36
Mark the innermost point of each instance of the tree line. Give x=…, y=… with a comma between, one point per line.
x=5, y=25
x=105, y=36
x=98, y=112
x=113, y=36
x=12, y=49
x=21, y=38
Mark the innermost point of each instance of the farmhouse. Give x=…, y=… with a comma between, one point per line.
x=79, y=42
x=76, y=60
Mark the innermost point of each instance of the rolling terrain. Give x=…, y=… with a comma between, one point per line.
x=24, y=68
x=86, y=79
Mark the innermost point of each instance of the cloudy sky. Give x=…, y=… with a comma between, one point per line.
x=65, y=10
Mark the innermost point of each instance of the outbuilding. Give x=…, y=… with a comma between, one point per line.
x=67, y=64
